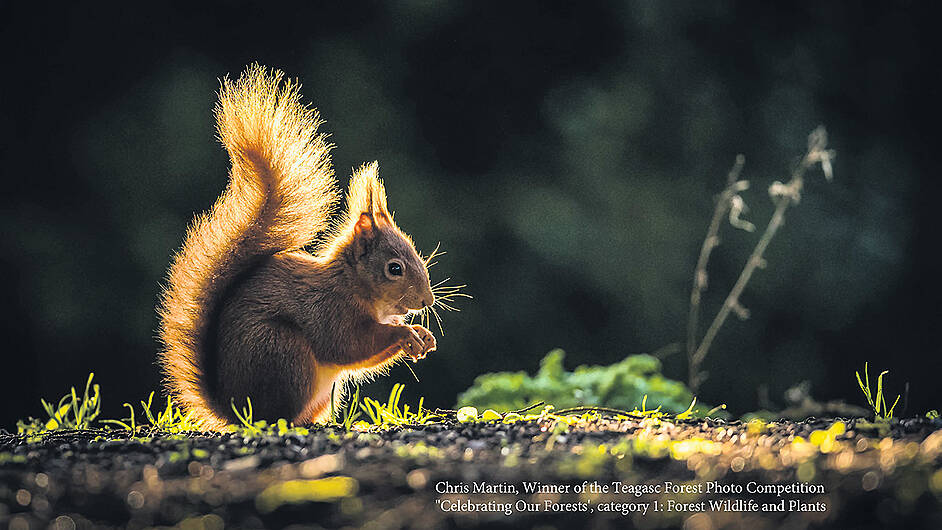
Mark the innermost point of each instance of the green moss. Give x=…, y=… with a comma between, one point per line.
x=622, y=385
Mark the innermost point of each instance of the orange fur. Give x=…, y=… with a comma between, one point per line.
x=244, y=310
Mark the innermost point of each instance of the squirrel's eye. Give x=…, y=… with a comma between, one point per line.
x=394, y=268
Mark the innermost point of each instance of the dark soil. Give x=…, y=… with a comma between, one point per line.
x=414, y=477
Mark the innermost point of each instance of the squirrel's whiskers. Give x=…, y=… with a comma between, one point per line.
x=444, y=294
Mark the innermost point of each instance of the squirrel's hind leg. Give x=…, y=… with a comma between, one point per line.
x=329, y=384
x=275, y=368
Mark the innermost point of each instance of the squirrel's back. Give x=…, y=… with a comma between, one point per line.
x=280, y=194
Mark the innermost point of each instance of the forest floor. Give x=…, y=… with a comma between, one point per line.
x=597, y=472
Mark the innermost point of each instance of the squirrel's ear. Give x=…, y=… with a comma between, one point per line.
x=363, y=231
x=364, y=226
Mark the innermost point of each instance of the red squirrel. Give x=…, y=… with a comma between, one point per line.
x=246, y=311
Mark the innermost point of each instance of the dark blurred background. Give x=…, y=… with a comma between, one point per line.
x=566, y=155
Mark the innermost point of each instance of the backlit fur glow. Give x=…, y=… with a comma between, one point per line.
x=241, y=271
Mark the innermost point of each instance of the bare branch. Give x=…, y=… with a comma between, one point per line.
x=711, y=241
x=783, y=195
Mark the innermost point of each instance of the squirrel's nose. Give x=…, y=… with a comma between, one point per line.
x=426, y=303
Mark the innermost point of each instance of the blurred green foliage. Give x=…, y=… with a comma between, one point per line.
x=622, y=385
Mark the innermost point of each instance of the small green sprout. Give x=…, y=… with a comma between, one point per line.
x=645, y=412
x=390, y=413
x=714, y=410
x=352, y=413
x=877, y=403
x=689, y=412
x=71, y=412
x=171, y=419
x=248, y=426
x=130, y=425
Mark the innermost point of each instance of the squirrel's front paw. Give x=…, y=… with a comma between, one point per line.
x=418, y=342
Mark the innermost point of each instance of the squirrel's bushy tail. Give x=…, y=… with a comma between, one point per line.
x=280, y=194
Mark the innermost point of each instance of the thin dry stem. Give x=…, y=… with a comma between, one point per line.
x=783, y=195
x=733, y=186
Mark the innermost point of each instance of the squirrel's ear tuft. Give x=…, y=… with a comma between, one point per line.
x=367, y=195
